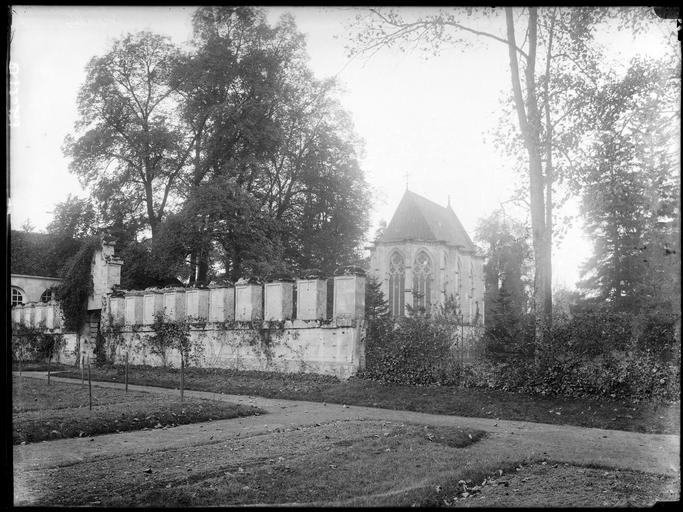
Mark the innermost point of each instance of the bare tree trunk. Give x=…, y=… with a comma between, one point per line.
x=203, y=265
x=529, y=118
x=89, y=387
x=193, y=267
x=126, y=377
x=182, y=376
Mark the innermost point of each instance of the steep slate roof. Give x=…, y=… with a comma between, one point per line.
x=418, y=218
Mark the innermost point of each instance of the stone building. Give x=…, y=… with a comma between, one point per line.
x=425, y=256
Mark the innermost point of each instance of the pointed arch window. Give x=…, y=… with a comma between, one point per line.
x=471, y=294
x=422, y=277
x=444, y=275
x=458, y=279
x=397, y=284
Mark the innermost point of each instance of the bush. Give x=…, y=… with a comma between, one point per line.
x=592, y=355
x=417, y=349
x=34, y=343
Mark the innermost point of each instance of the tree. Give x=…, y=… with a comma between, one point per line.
x=506, y=275
x=276, y=185
x=630, y=188
x=227, y=84
x=127, y=147
x=555, y=40
x=74, y=218
x=232, y=153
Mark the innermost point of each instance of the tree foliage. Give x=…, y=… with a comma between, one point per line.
x=74, y=218
x=630, y=187
x=127, y=147
x=507, y=276
x=232, y=153
x=546, y=48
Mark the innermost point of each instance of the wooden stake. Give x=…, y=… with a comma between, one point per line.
x=126, y=378
x=82, y=369
x=182, y=376
x=89, y=386
x=49, y=359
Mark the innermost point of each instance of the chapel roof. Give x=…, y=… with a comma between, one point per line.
x=418, y=218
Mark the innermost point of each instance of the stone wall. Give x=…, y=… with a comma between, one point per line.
x=249, y=326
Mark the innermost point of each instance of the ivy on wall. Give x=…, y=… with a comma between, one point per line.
x=77, y=286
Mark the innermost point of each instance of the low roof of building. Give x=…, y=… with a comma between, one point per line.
x=419, y=219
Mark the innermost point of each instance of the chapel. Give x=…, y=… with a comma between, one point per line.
x=425, y=256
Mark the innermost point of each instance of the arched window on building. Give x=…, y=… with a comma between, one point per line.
x=422, y=276
x=471, y=297
x=397, y=284
x=16, y=297
x=444, y=276
x=46, y=295
x=458, y=282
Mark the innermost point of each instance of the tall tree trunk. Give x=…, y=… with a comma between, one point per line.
x=203, y=266
x=193, y=267
x=529, y=118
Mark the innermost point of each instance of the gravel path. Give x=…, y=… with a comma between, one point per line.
x=653, y=453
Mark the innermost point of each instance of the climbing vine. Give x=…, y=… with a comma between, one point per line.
x=172, y=334
x=77, y=286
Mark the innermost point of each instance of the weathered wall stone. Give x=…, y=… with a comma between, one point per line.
x=197, y=304
x=222, y=304
x=278, y=301
x=248, y=302
x=174, y=304
x=152, y=303
x=349, y=297
x=311, y=299
x=133, y=314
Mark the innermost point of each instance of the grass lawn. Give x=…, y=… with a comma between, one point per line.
x=608, y=414
x=61, y=410
x=40, y=366
x=348, y=463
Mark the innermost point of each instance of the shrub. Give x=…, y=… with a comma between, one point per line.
x=592, y=355
x=417, y=349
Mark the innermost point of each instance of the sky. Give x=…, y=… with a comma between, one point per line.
x=427, y=123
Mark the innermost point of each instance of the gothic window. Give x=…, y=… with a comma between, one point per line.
x=458, y=284
x=16, y=297
x=444, y=275
x=422, y=276
x=471, y=280
x=46, y=296
x=397, y=284
x=471, y=298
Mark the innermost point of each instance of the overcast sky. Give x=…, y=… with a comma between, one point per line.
x=427, y=121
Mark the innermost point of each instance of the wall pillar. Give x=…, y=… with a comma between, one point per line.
x=40, y=314
x=174, y=304
x=222, y=304
x=117, y=309
x=17, y=314
x=349, y=298
x=133, y=314
x=278, y=303
x=311, y=299
x=27, y=317
x=197, y=304
x=248, y=301
x=152, y=303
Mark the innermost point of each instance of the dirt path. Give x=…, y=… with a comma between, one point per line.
x=652, y=453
